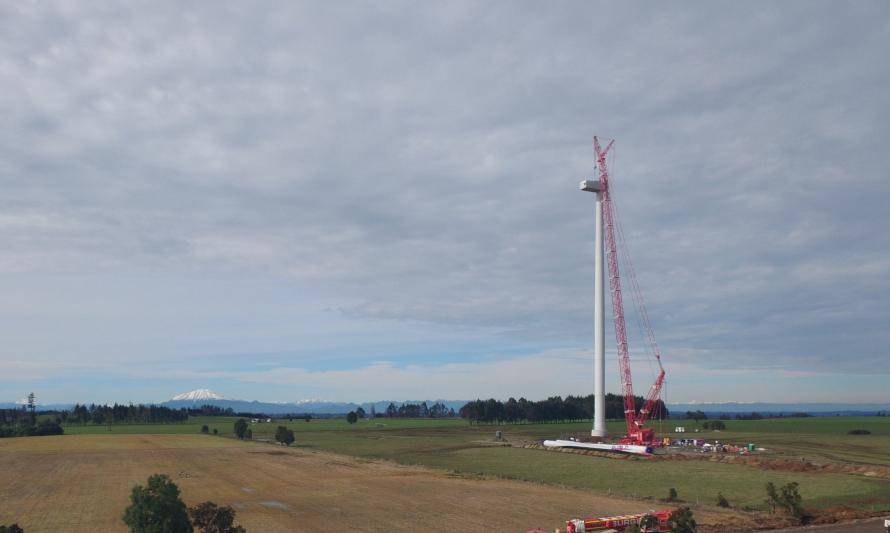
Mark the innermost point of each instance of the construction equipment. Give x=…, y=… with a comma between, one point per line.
x=659, y=522
x=636, y=434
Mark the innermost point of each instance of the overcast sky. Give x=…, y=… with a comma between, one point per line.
x=366, y=201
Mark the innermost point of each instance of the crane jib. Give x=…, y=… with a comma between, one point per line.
x=634, y=420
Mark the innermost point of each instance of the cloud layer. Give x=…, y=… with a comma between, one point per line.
x=318, y=186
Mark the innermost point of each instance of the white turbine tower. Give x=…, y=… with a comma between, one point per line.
x=599, y=316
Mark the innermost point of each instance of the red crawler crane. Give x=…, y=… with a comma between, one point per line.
x=636, y=432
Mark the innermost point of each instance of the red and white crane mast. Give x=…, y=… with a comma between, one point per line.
x=636, y=433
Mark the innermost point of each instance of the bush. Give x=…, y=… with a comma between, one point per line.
x=791, y=498
x=648, y=523
x=672, y=495
x=714, y=424
x=240, y=428
x=215, y=431
x=205, y=429
x=859, y=432
x=208, y=517
x=352, y=417
x=722, y=501
x=12, y=528
x=788, y=498
x=157, y=508
x=284, y=436
x=682, y=521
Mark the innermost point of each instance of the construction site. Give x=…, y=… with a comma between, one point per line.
x=531, y=267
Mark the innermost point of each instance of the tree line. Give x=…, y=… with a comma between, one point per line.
x=23, y=423
x=553, y=409
x=129, y=414
x=411, y=410
x=701, y=415
x=141, y=414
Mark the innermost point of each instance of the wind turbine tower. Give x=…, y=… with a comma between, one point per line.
x=599, y=315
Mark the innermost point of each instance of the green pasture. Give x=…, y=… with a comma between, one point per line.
x=466, y=449
x=471, y=450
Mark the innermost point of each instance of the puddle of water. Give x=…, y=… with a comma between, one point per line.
x=248, y=490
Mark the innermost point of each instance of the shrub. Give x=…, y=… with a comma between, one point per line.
x=284, y=436
x=12, y=528
x=352, y=417
x=208, y=517
x=788, y=498
x=714, y=424
x=672, y=495
x=215, y=431
x=157, y=507
x=205, y=429
x=682, y=521
x=859, y=432
x=791, y=499
x=240, y=428
x=722, y=501
x=648, y=523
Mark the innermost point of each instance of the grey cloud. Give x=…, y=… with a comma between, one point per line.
x=421, y=162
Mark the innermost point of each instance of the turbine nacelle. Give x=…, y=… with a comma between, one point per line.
x=591, y=186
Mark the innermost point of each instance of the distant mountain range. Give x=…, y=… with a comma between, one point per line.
x=199, y=397
x=779, y=408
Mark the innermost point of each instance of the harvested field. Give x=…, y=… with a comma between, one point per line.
x=82, y=483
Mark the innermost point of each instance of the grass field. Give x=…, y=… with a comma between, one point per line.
x=455, y=446
x=817, y=439
x=81, y=483
x=469, y=451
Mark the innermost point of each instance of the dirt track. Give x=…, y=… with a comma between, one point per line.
x=82, y=483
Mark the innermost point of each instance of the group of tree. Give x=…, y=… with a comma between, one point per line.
x=126, y=414
x=416, y=410
x=714, y=424
x=553, y=409
x=23, y=422
x=158, y=508
x=40, y=429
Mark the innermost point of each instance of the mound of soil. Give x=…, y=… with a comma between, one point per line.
x=788, y=465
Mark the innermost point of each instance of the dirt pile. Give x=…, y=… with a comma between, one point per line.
x=788, y=465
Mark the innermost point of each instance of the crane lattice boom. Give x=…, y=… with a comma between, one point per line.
x=636, y=433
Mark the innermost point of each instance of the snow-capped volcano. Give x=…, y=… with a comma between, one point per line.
x=198, y=394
